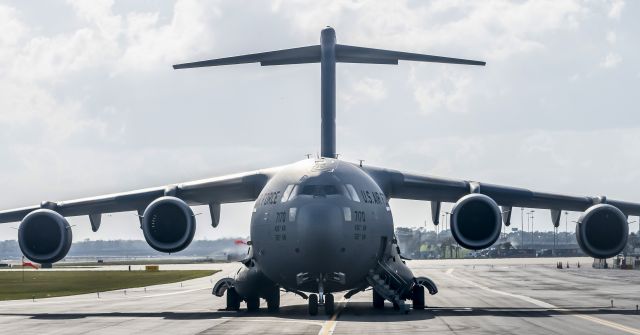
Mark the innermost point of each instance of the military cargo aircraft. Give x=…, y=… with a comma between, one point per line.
x=322, y=225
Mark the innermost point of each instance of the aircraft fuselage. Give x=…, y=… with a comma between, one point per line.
x=320, y=221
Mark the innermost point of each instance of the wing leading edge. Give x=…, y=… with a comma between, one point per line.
x=219, y=190
x=404, y=185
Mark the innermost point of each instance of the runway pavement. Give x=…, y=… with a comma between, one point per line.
x=476, y=297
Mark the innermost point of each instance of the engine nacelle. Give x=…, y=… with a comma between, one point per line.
x=168, y=224
x=44, y=236
x=602, y=231
x=476, y=221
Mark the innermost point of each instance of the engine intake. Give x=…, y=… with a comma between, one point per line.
x=476, y=221
x=602, y=231
x=168, y=224
x=44, y=236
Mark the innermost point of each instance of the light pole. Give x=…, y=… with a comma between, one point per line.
x=532, y=230
x=530, y=224
x=632, y=222
x=447, y=218
x=555, y=231
x=522, y=227
x=566, y=229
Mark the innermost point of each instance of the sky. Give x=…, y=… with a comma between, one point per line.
x=89, y=103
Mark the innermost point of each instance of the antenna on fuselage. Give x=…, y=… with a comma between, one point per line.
x=328, y=53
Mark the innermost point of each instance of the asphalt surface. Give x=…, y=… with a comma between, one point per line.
x=476, y=297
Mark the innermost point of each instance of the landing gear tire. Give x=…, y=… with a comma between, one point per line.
x=253, y=304
x=233, y=299
x=417, y=297
x=329, y=305
x=313, y=304
x=378, y=300
x=273, y=302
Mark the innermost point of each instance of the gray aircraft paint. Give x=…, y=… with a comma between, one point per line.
x=328, y=92
x=319, y=234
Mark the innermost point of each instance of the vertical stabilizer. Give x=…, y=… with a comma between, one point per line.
x=328, y=92
x=328, y=53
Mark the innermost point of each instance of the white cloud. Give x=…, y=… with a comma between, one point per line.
x=364, y=90
x=615, y=9
x=133, y=42
x=151, y=45
x=612, y=37
x=496, y=29
x=446, y=92
x=611, y=61
x=12, y=29
x=544, y=160
x=44, y=118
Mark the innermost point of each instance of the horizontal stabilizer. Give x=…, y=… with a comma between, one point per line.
x=351, y=54
x=310, y=54
x=343, y=54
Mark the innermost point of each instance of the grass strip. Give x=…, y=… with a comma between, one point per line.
x=45, y=284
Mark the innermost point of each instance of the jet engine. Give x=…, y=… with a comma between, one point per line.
x=476, y=221
x=602, y=231
x=44, y=236
x=168, y=224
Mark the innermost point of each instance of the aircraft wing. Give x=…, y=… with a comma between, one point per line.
x=226, y=189
x=403, y=185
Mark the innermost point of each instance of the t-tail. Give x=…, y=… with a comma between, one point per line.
x=328, y=53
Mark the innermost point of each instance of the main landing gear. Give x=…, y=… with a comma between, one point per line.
x=417, y=299
x=315, y=302
x=273, y=301
x=253, y=303
x=233, y=299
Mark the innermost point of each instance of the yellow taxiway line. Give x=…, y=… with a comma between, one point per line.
x=330, y=325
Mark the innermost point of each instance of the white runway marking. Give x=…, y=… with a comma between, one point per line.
x=85, y=298
x=315, y=323
x=543, y=304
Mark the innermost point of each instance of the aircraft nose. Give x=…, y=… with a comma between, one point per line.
x=320, y=227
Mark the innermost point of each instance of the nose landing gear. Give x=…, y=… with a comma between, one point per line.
x=313, y=304
x=329, y=306
x=325, y=300
x=321, y=299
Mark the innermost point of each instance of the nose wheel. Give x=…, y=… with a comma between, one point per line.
x=313, y=304
x=328, y=304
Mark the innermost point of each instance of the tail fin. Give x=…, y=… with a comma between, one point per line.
x=328, y=53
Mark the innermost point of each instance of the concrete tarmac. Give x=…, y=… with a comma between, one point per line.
x=516, y=296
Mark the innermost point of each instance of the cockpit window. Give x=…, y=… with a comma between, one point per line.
x=319, y=190
x=353, y=193
x=286, y=193
x=315, y=190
